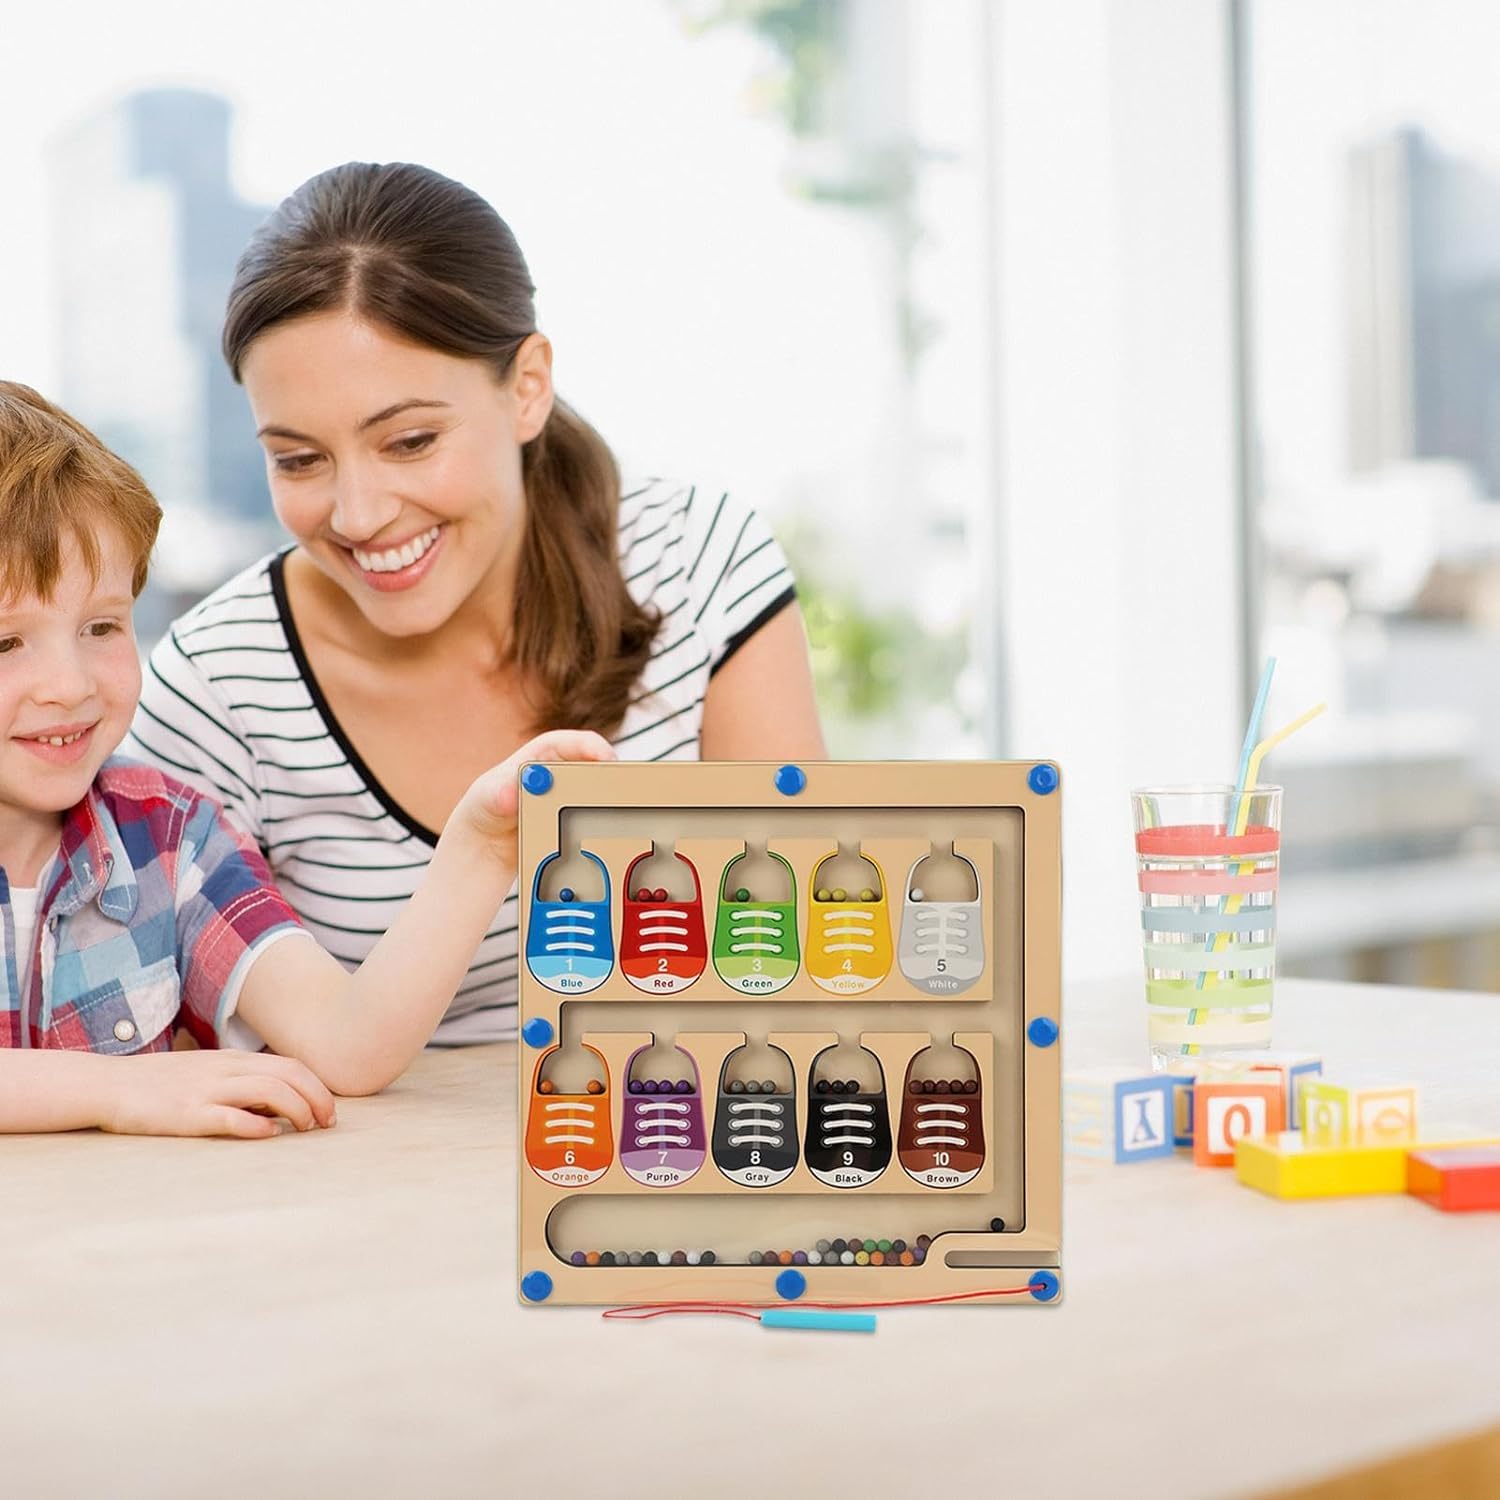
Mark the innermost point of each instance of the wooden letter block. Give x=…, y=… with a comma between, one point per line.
x=1458, y=1179
x=1334, y=1115
x=1292, y=1070
x=1113, y=1114
x=1224, y=1113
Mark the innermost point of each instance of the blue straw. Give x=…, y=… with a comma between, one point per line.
x=1252, y=739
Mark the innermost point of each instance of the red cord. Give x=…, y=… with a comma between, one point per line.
x=639, y=1311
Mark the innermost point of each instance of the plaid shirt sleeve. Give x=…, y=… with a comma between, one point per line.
x=228, y=912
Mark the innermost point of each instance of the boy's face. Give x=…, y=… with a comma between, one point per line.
x=69, y=681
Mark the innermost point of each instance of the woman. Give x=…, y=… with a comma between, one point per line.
x=466, y=571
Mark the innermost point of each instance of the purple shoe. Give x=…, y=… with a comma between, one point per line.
x=662, y=1136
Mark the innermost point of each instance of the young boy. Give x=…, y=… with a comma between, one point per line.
x=129, y=906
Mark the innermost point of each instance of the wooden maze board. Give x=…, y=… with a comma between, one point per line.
x=771, y=1014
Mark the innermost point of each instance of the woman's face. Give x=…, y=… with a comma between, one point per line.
x=397, y=468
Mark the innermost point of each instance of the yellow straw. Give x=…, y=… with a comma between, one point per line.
x=1252, y=777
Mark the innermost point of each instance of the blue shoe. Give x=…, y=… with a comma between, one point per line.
x=569, y=946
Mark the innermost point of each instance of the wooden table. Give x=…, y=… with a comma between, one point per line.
x=334, y=1314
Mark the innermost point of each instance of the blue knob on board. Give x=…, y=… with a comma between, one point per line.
x=1042, y=779
x=536, y=779
x=537, y=1031
x=790, y=780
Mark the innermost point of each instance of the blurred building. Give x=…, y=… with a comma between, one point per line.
x=1424, y=288
x=146, y=230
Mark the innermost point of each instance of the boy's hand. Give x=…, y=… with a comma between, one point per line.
x=213, y=1093
x=489, y=806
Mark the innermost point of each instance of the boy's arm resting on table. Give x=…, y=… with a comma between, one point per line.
x=159, y=1093
x=760, y=703
x=359, y=1031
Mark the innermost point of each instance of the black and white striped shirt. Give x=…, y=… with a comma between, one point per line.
x=230, y=704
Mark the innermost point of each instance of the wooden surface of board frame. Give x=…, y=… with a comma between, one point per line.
x=580, y=1197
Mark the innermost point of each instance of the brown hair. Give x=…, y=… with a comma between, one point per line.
x=57, y=480
x=429, y=259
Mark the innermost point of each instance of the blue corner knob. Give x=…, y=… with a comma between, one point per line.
x=791, y=1285
x=536, y=778
x=537, y=1031
x=790, y=780
x=1042, y=1032
x=1042, y=780
x=1044, y=1286
x=536, y=1286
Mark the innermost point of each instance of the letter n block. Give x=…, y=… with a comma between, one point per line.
x=1225, y=1112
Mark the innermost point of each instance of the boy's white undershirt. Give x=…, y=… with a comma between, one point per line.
x=23, y=902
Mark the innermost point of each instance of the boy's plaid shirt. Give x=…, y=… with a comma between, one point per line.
x=154, y=910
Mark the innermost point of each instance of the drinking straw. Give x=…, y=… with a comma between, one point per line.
x=1247, y=748
x=1220, y=940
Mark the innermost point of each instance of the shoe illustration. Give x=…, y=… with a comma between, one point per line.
x=755, y=934
x=569, y=948
x=662, y=1136
x=848, y=1140
x=940, y=1142
x=848, y=932
x=567, y=1135
x=663, y=947
x=941, y=947
x=755, y=1127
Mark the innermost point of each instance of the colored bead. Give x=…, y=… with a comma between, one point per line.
x=929, y=1086
x=997, y=1226
x=578, y=1258
x=867, y=894
x=862, y=1257
x=693, y=1257
x=785, y=1257
x=649, y=1258
x=644, y=894
x=755, y=1257
x=815, y=1257
x=851, y=1087
x=972, y=1086
x=592, y=1258
x=877, y=1258
x=824, y=894
x=839, y=1246
x=684, y=1085
x=907, y=1258
x=736, y=1085
x=883, y=1246
x=649, y=1086
x=915, y=1086
x=799, y=1257
x=918, y=1256
x=679, y=1257
x=708, y=1258
x=767, y=1087
x=943, y=1086
x=824, y=1247
x=752, y=1086
x=840, y=894
x=742, y=894
x=546, y=1086
x=636, y=1086
x=659, y=894
x=821, y=1086
x=565, y=894
x=596, y=1086
x=916, y=893
x=847, y=1258
x=607, y=1258
x=636, y=1257
x=923, y=1241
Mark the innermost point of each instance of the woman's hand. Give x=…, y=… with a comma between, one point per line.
x=489, y=807
x=211, y=1093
